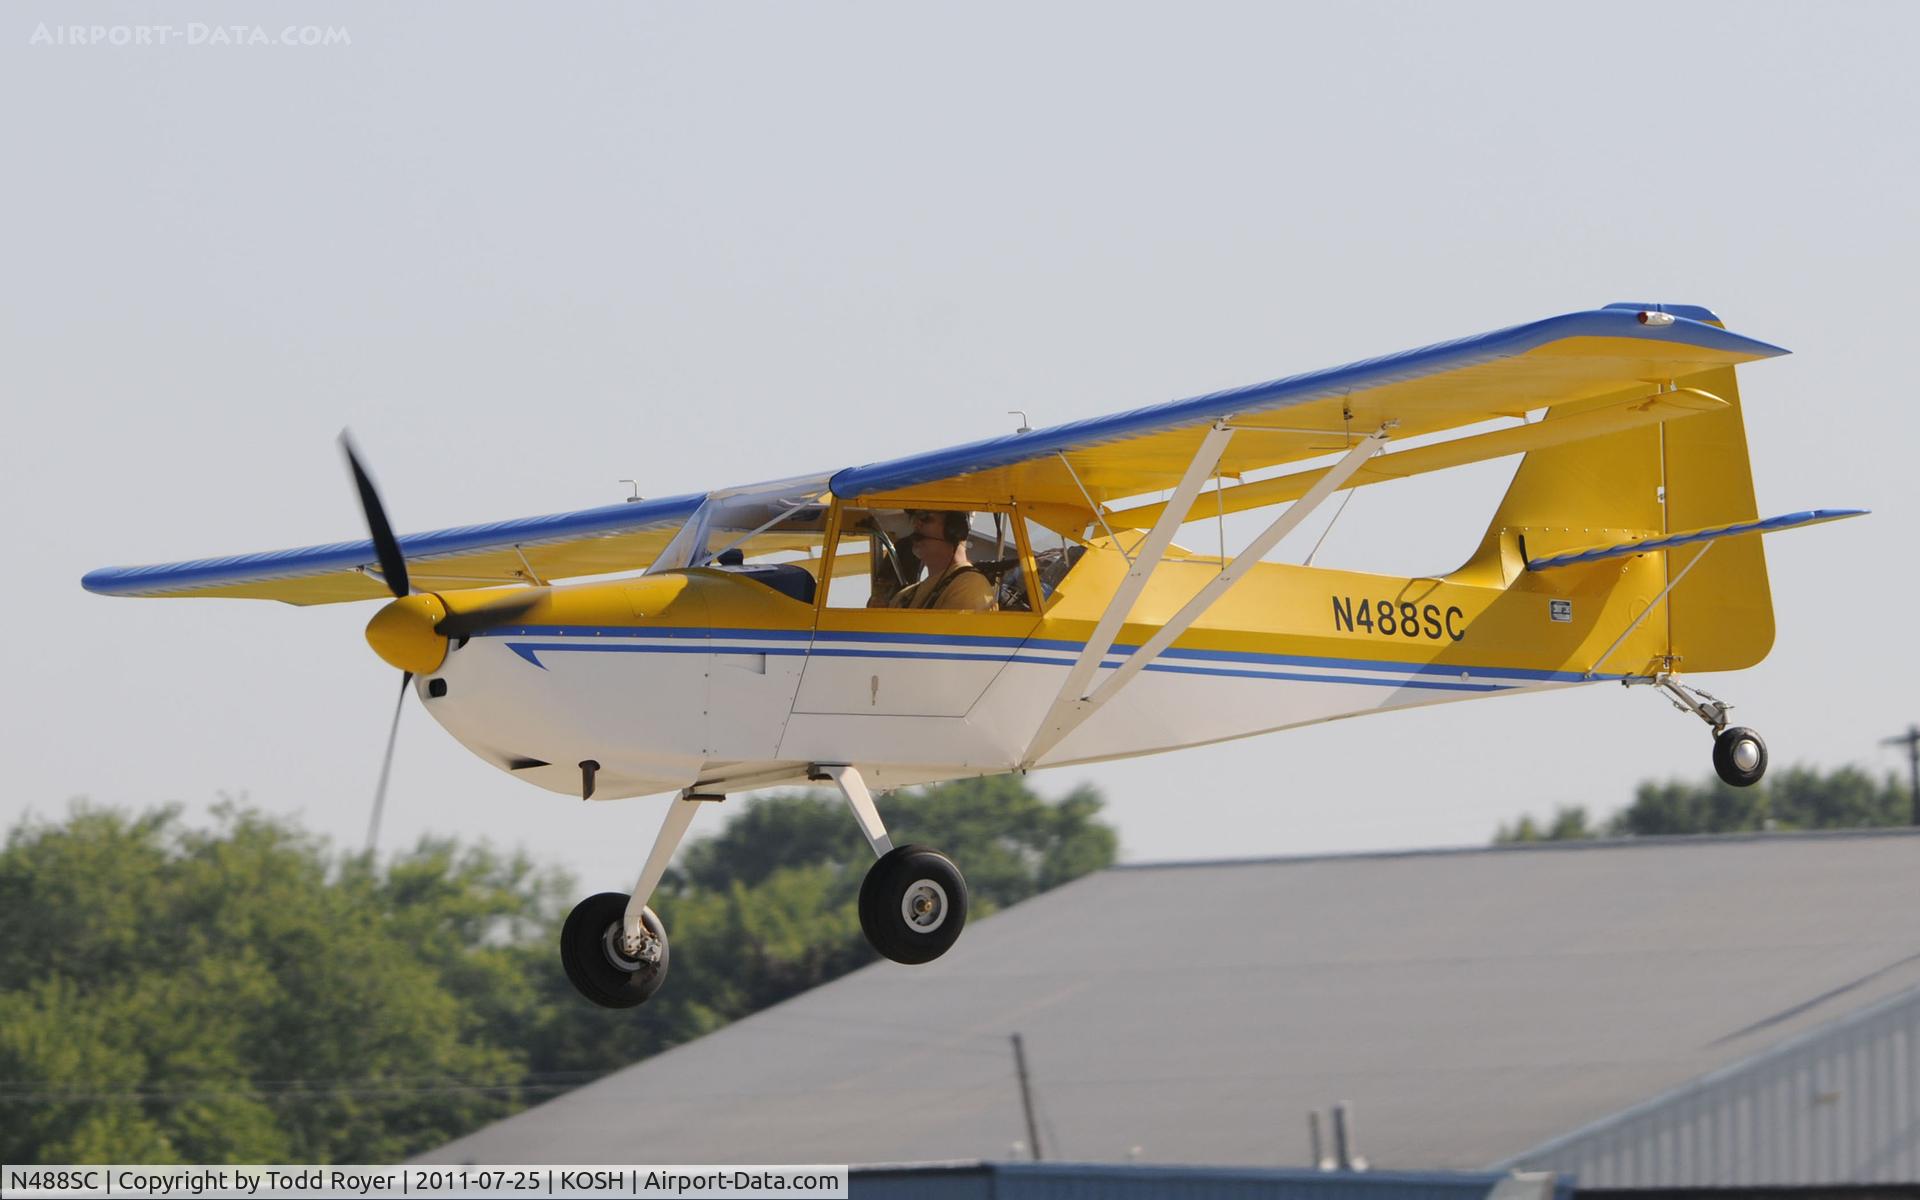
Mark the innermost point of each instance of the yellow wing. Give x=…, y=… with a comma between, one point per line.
x=1614, y=356
x=1633, y=362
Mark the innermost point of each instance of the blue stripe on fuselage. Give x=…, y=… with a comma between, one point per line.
x=588, y=638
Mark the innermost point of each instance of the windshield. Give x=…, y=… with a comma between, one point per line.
x=787, y=515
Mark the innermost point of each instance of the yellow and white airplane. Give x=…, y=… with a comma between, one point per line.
x=729, y=643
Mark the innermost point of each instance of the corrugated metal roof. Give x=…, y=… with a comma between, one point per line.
x=1837, y=1105
x=1106, y=1181
x=1469, y=1005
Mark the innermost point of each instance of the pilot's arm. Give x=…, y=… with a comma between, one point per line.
x=888, y=589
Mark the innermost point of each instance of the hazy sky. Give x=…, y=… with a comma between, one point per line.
x=525, y=253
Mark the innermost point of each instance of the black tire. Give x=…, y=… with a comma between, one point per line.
x=913, y=904
x=590, y=953
x=1730, y=747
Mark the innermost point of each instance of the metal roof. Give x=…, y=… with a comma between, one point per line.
x=1116, y=1181
x=1833, y=1106
x=1469, y=1005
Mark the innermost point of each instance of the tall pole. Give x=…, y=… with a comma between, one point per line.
x=1026, y=1095
x=1911, y=740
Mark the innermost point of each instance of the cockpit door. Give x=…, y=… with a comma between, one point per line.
x=899, y=662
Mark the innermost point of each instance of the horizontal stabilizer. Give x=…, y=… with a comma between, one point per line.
x=1670, y=541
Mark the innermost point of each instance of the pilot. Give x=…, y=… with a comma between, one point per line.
x=952, y=583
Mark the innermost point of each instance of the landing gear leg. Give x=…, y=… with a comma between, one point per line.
x=913, y=902
x=613, y=946
x=1739, y=753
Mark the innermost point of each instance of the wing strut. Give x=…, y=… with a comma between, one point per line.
x=1068, y=713
x=1063, y=716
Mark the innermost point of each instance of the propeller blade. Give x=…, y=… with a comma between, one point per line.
x=393, y=564
x=502, y=610
x=386, y=765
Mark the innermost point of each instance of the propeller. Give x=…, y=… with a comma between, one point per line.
x=460, y=619
x=386, y=764
x=413, y=630
x=482, y=615
x=393, y=564
x=393, y=569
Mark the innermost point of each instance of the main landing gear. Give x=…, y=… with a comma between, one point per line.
x=1739, y=753
x=613, y=947
x=913, y=904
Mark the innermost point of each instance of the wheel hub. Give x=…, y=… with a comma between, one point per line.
x=614, y=943
x=1746, y=754
x=924, y=907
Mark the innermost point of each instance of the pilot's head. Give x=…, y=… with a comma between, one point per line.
x=936, y=526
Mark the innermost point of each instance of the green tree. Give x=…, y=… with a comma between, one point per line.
x=1790, y=798
x=1679, y=807
x=1568, y=822
x=242, y=994
x=1848, y=798
x=226, y=996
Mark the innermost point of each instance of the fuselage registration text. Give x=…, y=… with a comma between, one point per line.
x=1399, y=618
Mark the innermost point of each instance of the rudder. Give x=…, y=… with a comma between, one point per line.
x=1686, y=473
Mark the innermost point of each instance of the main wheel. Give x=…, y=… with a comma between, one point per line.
x=913, y=904
x=595, y=958
x=1740, y=756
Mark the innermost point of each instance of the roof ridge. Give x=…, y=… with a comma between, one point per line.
x=1555, y=846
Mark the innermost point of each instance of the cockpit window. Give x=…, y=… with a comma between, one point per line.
x=1054, y=554
x=943, y=559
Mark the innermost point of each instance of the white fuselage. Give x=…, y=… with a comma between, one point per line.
x=664, y=709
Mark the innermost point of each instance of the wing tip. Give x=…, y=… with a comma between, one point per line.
x=101, y=580
x=197, y=576
x=1694, y=316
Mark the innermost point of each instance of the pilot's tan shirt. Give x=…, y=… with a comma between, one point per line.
x=970, y=592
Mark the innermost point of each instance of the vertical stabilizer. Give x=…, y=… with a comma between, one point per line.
x=1688, y=473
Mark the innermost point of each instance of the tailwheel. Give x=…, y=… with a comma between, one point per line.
x=603, y=964
x=1739, y=756
x=913, y=904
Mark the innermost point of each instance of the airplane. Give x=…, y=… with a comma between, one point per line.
x=709, y=644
